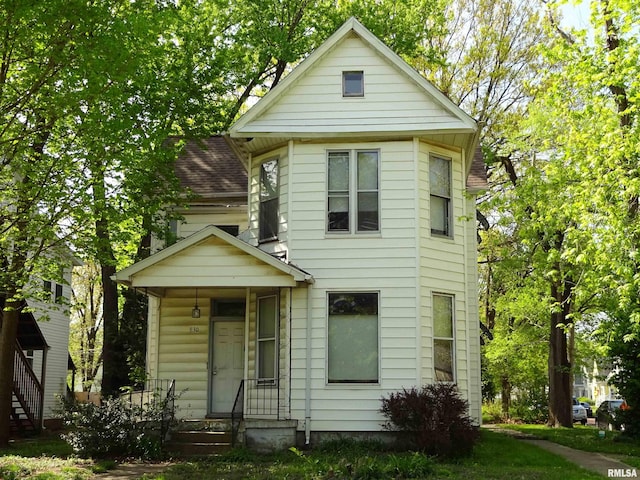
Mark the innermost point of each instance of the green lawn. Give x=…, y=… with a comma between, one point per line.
x=587, y=439
x=45, y=458
x=496, y=457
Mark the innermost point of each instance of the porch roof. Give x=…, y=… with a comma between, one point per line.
x=210, y=258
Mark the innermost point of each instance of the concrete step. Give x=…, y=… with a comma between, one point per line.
x=198, y=442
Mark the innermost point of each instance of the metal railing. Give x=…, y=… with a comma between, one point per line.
x=168, y=412
x=27, y=388
x=155, y=400
x=236, y=413
x=264, y=398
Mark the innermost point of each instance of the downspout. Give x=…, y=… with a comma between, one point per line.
x=307, y=396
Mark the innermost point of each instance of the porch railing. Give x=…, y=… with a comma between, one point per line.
x=264, y=398
x=27, y=389
x=236, y=413
x=155, y=400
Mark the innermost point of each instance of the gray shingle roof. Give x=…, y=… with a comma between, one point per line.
x=477, y=179
x=211, y=169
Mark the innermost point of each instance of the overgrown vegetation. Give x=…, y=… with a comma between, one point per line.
x=350, y=460
x=433, y=420
x=115, y=428
x=47, y=458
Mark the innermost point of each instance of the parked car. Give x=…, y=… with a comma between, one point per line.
x=579, y=413
x=606, y=415
x=587, y=407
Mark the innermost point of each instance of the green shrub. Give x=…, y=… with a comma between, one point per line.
x=433, y=420
x=114, y=428
x=492, y=412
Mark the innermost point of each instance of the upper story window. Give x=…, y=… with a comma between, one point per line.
x=440, y=188
x=353, y=84
x=443, y=340
x=268, y=215
x=353, y=191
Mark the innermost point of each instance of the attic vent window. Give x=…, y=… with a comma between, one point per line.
x=353, y=84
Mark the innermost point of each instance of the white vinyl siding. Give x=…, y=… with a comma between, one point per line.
x=198, y=218
x=383, y=262
x=392, y=101
x=447, y=264
x=53, y=320
x=212, y=262
x=183, y=350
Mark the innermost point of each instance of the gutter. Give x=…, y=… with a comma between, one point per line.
x=307, y=395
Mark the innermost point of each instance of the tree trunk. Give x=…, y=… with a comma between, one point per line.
x=560, y=404
x=8, y=334
x=112, y=366
x=505, y=395
x=111, y=352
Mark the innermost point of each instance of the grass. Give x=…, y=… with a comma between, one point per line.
x=497, y=457
x=46, y=458
x=587, y=439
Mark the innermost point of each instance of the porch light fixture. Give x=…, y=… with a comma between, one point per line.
x=195, y=312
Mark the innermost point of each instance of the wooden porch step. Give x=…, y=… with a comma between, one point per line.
x=199, y=442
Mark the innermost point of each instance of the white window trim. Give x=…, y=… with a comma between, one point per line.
x=275, y=339
x=353, y=194
x=344, y=85
x=351, y=385
x=450, y=225
x=452, y=339
x=260, y=202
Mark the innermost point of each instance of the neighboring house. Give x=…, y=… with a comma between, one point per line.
x=357, y=274
x=42, y=360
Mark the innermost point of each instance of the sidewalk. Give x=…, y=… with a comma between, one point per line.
x=595, y=462
x=131, y=471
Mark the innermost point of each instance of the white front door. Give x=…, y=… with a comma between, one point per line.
x=226, y=366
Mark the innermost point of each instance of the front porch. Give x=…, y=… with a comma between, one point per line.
x=219, y=323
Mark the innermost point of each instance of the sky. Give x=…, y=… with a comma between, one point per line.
x=576, y=16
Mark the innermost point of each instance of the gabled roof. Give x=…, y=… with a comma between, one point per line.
x=244, y=126
x=210, y=257
x=211, y=169
x=477, y=177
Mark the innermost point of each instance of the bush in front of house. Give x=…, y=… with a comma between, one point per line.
x=114, y=428
x=432, y=419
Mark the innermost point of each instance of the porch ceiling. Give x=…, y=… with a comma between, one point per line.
x=210, y=258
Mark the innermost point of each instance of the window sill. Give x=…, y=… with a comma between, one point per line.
x=353, y=235
x=352, y=385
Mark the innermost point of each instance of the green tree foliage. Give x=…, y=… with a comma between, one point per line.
x=85, y=339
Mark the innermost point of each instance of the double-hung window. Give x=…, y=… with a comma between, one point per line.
x=353, y=337
x=268, y=216
x=267, y=338
x=440, y=188
x=353, y=191
x=443, y=340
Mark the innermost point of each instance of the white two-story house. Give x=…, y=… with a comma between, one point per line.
x=354, y=273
